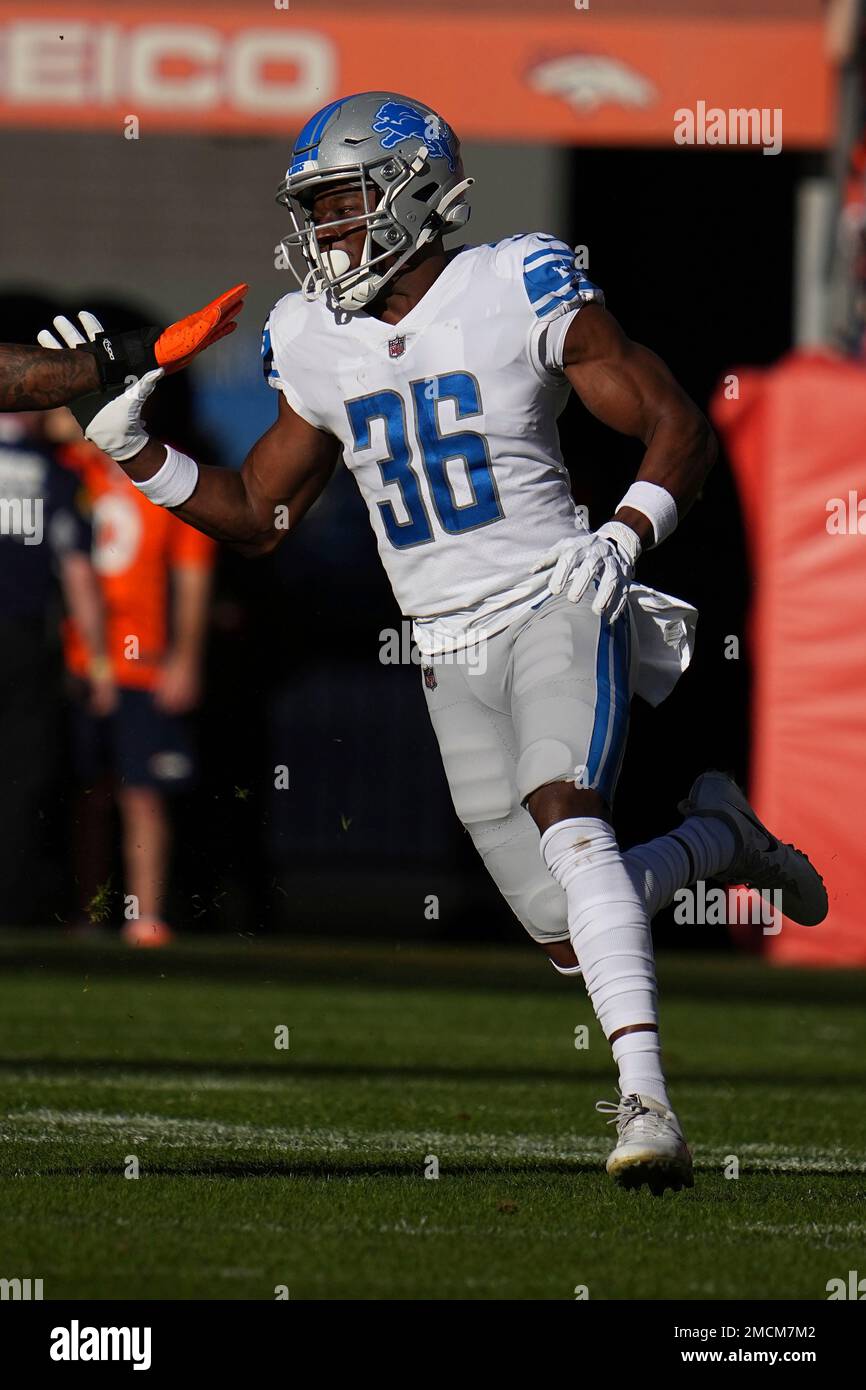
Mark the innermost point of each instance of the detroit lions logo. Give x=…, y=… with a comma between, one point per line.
x=396, y=122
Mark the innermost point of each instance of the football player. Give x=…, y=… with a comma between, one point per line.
x=39, y=378
x=439, y=375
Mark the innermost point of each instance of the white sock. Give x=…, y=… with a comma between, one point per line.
x=640, y=1066
x=610, y=933
x=702, y=847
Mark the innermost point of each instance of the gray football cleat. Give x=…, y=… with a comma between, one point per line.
x=760, y=860
x=650, y=1147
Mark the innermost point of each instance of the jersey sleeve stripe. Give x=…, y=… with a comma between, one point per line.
x=554, y=280
x=549, y=277
x=553, y=301
x=550, y=252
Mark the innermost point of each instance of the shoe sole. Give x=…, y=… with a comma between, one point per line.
x=659, y=1174
x=149, y=940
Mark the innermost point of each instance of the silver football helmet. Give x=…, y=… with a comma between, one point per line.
x=406, y=161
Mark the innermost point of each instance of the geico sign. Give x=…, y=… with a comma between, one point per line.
x=172, y=67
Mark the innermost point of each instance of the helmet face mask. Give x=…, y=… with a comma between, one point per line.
x=409, y=194
x=384, y=237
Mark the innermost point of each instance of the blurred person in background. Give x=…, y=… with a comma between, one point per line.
x=44, y=565
x=133, y=742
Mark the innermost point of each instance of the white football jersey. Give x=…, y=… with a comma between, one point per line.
x=448, y=422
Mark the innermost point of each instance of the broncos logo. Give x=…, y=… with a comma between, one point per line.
x=396, y=122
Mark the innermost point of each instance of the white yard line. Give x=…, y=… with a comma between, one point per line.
x=142, y=1081
x=48, y=1126
x=805, y=1229
x=43, y=1126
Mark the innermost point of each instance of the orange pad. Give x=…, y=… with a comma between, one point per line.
x=178, y=344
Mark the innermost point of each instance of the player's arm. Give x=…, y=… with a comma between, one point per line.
x=283, y=474
x=253, y=508
x=40, y=378
x=71, y=537
x=36, y=378
x=85, y=605
x=629, y=388
x=179, y=687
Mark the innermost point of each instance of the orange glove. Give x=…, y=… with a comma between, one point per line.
x=178, y=344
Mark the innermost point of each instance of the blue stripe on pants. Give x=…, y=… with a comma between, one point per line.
x=611, y=705
x=619, y=732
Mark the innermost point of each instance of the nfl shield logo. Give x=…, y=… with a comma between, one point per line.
x=430, y=677
x=396, y=347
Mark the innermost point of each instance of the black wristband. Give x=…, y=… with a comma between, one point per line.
x=121, y=356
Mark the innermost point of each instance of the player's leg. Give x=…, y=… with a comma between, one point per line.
x=153, y=760
x=144, y=818
x=92, y=842
x=469, y=714
x=93, y=809
x=570, y=702
x=695, y=849
x=722, y=837
x=478, y=745
x=722, y=840
x=702, y=847
x=28, y=682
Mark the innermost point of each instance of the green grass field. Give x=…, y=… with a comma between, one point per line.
x=305, y=1167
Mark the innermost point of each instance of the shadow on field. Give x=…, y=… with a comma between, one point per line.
x=328, y=1166
x=241, y=1071
x=298, y=962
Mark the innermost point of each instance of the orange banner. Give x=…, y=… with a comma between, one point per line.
x=795, y=437
x=574, y=78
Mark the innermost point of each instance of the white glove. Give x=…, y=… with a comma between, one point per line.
x=112, y=419
x=607, y=556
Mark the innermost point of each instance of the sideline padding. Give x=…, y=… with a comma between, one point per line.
x=796, y=438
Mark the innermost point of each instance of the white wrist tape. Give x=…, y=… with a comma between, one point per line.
x=174, y=482
x=657, y=504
